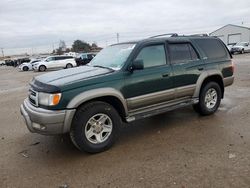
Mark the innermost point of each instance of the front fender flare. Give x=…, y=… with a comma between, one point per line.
x=95, y=93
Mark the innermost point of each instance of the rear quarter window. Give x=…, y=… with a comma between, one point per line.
x=213, y=48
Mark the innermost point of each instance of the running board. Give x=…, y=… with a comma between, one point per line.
x=159, y=109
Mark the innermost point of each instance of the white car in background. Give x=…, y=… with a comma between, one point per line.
x=28, y=66
x=55, y=62
x=240, y=47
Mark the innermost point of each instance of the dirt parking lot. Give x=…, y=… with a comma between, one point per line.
x=175, y=149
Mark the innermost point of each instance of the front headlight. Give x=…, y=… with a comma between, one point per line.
x=48, y=99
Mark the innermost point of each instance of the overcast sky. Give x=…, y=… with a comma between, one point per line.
x=32, y=25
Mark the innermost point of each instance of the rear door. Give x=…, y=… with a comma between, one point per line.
x=153, y=84
x=60, y=61
x=187, y=67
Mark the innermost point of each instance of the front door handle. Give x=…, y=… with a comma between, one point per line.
x=165, y=75
x=200, y=69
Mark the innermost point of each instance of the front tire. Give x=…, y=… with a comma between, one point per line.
x=242, y=51
x=209, y=99
x=42, y=68
x=95, y=127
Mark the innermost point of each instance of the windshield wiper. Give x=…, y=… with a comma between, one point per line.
x=103, y=67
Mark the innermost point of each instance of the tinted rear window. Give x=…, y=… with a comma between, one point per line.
x=212, y=48
x=182, y=52
x=63, y=57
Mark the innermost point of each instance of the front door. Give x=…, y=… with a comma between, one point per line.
x=154, y=83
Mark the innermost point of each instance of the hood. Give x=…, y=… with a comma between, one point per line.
x=67, y=76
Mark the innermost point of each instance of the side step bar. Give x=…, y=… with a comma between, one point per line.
x=159, y=109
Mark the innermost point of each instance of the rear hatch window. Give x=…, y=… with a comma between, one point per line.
x=213, y=48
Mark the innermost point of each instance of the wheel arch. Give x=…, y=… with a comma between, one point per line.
x=25, y=66
x=42, y=65
x=212, y=76
x=108, y=95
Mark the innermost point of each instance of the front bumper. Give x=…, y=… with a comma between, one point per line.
x=47, y=122
x=235, y=50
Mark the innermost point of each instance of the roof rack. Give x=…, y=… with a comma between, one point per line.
x=167, y=34
x=198, y=35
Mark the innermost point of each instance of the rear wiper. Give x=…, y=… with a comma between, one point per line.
x=103, y=67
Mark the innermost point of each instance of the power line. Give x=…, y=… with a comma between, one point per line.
x=2, y=52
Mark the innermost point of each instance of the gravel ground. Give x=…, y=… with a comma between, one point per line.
x=175, y=149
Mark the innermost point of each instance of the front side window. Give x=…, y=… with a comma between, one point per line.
x=182, y=52
x=84, y=56
x=152, y=56
x=50, y=59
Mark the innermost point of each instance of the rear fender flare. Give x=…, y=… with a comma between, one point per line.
x=201, y=79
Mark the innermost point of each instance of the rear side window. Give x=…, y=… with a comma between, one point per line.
x=153, y=56
x=182, y=52
x=212, y=48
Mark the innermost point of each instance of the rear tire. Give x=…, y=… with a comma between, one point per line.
x=69, y=65
x=25, y=68
x=95, y=127
x=209, y=99
x=42, y=68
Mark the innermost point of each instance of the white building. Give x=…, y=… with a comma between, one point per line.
x=231, y=34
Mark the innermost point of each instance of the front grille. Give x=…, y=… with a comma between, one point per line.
x=33, y=97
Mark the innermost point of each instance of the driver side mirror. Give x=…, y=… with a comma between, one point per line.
x=137, y=65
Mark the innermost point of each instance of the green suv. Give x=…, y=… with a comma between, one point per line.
x=127, y=82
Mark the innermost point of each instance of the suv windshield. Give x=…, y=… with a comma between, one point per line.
x=113, y=57
x=241, y=44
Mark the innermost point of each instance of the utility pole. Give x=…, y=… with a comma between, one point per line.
x=2, y=52
x=117, y=37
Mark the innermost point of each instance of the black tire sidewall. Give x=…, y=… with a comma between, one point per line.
x=40, y=68
x=203, y=107
x=25, y=68
x=70, y=66
x=80, y=121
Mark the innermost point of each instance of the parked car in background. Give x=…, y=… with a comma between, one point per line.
x=9, y=62
x=127, y=82
x=74, y=54
x=2, y=63
x=28, y=66
x=23, y=60
x=240, y=47
x=55, y=62
x=84, y=58
x=229, y=47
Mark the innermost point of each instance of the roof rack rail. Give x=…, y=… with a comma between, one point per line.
x=170, y=34
x=198, y=35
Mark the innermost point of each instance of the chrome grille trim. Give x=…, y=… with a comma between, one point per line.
x=33, y=97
